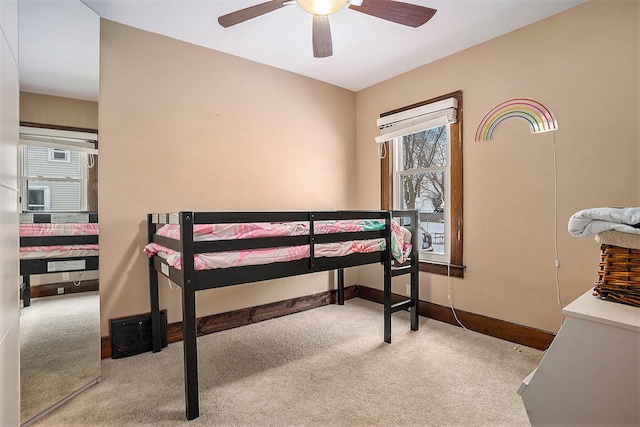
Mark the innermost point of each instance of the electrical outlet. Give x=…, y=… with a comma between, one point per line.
x=60, y=290
x=65, y=276
x=408, y=290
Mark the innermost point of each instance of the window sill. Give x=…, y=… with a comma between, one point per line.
x=442, y=269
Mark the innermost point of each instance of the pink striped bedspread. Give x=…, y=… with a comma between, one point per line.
x=58, y=251
x=47, y=229
x=400, y=242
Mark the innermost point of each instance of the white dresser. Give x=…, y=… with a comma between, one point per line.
x=590, y=375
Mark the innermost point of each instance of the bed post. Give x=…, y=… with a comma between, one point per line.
x=415, y=266
x=26, y=291
x=387, y=279
x=154, y=298
x=189, y=332
x=341, y=286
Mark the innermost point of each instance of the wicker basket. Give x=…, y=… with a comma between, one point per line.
x=619, y=275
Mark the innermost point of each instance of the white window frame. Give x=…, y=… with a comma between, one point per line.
x=417, y=117
x=398, y=172
x=82, y=142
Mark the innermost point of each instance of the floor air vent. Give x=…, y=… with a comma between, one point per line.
x=132, y=335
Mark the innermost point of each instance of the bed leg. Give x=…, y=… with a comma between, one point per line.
x=154, y=297
x=341, y=286
x=154, y=300
x=190, y=353
x=415, y=275
x=415, y=301
x=387, y=302
x=26, y=292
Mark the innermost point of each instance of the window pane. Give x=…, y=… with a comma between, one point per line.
x=38, y=164
x=62, y=155
x=64, y=195
x=425, y=149
x=426, y=193
x=36, y=199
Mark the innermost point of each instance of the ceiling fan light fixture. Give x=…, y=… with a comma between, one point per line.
x=322, y=7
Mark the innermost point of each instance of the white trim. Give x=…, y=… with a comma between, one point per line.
x=417, y=125
x=418, y=111
x=417, y=119
x=58, y=134
x=84, y=142
x=398, y=172
x=52, y=143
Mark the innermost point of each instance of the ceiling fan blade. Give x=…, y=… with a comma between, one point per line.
x=251, y=12
x=408, y=14
x=322, y=46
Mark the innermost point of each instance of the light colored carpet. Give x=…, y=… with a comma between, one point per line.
x=59, y=349
x=323, y=367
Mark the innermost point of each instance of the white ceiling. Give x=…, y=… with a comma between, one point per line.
x=366, y=50
x=59, y=48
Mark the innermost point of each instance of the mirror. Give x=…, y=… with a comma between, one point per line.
x=59, y=44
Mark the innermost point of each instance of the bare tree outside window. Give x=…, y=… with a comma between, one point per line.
x=423, y=183
x=423, y=171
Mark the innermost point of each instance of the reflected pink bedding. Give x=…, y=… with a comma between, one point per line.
x=58, y=251
x=46, y=229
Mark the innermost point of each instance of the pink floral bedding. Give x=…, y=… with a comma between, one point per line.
x=400, y=241
x=58, y=251
x=46, y=229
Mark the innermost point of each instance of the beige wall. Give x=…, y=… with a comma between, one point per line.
x=59, y=111
x=583, y=65
x=187, y=128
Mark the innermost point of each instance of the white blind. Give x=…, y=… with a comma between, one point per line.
x=417, y=119
x=59, y=139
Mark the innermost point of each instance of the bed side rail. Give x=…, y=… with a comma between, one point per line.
x=59, y=217
x=156, y=220
x=58, y=240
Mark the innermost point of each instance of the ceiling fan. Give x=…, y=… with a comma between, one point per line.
x=408, y=14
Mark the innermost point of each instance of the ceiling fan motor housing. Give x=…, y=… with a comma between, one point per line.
x=322, y=7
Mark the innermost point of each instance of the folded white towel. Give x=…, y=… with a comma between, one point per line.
x=590, y=222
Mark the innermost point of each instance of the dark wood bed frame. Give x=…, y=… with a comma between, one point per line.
x=29, y=267
x=191, y=280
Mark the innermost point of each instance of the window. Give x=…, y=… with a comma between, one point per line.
x=422, y=169
x=39, y=198
x=58, y=155
x=54, y=168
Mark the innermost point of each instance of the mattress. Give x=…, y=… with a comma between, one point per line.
x=400, y=238
x=47, y=229
x=58, y=251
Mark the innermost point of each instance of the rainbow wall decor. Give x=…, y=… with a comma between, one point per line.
x=539, y=117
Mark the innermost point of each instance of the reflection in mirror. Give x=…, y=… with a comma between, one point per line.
x=60, y=317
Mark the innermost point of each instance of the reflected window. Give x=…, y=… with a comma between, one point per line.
x=57, y=169
x=55, y=180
